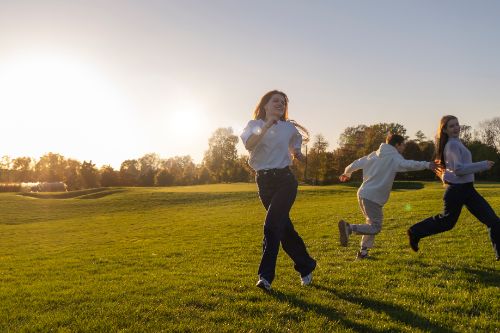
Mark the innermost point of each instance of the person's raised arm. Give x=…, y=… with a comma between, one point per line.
x=255, y=138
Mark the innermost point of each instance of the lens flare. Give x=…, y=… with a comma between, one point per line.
x=256, y=130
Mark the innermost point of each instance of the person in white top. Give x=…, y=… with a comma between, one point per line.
x=456, y=170
x=272, y=141
x=379, y=170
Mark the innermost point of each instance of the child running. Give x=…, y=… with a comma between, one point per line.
x=379, y=170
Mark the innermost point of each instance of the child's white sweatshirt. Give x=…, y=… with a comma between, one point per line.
x=379, y=169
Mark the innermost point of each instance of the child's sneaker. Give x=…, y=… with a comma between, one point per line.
x=263, y=284
x=344, y=232
x=362, y=255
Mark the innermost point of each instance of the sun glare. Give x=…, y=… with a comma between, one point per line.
x=56, y=103
x=53, y=103
x=186, y=120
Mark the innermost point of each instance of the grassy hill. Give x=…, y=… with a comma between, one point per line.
x=185, y=259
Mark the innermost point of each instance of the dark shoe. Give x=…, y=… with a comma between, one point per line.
x=413, y=240
x=362, y=255
x=344, y=232
x=263, y=284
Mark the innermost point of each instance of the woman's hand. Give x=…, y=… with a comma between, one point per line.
x=344, y=178
x=490, y=164
x=272, y=120
x=254, y=139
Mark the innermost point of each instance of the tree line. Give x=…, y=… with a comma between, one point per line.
x=221, y=162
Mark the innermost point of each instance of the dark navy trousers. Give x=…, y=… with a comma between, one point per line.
x=455, y=197
x=277, y=191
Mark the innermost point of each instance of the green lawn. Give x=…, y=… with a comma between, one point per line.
x=185, y=259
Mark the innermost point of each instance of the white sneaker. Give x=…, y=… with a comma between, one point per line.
x=263, y=284
x=344, y=232
x=307, y=280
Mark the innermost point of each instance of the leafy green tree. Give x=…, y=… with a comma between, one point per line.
x=331, y=172
x=5, y=172
x=189, y=175
x=129, y=172
x=90, y=175
x=164, y=178
x=50, y=168
x=23, y=168
x=480, y=152
x=243, y=172
x=149, y=165
x=72, y=175
x=109, y=176
x=414, y=152
x=220, y=158
x=203, y=175
x=317, y=160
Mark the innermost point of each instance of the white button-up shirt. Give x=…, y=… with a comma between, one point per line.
x=275, y=149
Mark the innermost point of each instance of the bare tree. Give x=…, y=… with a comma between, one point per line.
x=489, y=132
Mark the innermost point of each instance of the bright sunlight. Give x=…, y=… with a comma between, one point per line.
x=186, y=120
x=62, y=105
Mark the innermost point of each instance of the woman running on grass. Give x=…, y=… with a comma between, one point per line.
x=457, y=172
x=272, y=139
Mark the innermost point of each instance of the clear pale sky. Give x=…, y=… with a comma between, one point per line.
x=114, y=80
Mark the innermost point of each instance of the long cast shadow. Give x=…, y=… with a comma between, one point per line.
x=487, y=277
x=322, y=310
x=398, y=313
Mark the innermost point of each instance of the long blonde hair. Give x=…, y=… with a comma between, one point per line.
x=260, y=112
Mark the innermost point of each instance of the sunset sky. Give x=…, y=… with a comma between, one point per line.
x=113, y=80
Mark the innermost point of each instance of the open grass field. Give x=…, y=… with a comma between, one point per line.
x=185, y=259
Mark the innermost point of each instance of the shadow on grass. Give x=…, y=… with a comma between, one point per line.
x=397, y=313
x=325, y=311
x=94, y=193
x=486, y=277
x=397, y=185
x=402, y=185
x=99, y=195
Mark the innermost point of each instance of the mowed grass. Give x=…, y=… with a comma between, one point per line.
x=185, y=259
